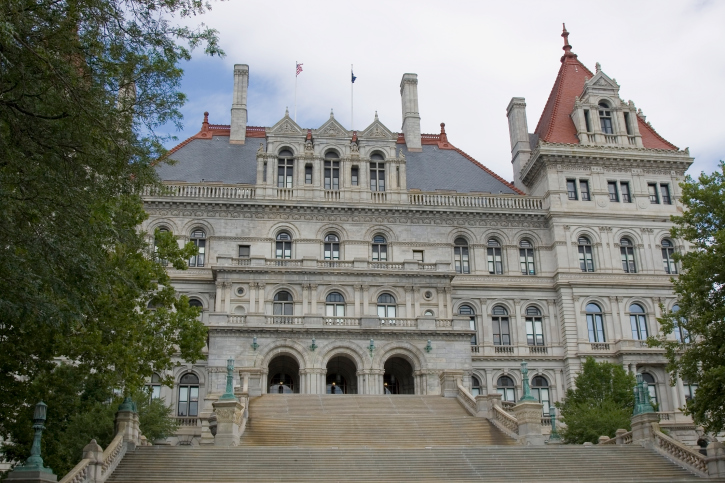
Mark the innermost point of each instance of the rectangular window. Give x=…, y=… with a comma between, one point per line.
x=332, y=175
x=653, y=197
x=665, y=192
x=460, y=257
x=534, y=331
x=613, y=195
x=624, y=190
x=627, y=125
x=308, y=174
x=571, y=188
x=264, y=172
x=284, y=173
x=584, y=189
x=377, y=176
x=495, y=265
x=243, y=251
x=418, y=256
x=501, y=334
x=355, y=175
x=587, y=121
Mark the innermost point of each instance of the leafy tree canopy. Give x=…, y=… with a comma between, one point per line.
x=601, y=402
x=83, y=86
x=699, y=354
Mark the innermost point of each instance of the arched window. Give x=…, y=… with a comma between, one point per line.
x=460, y=255
x=526, y=257
x=595, y=323
x=332, y=247
x=586, y=261
x=195, y=303
x=380, y=249
x=651, y=386
x=626, y=247
x=475, y=386
x=501, y=330
x=690, y=389
x=428, y=313
x=506, y=388
x=284, y=169
x=377, y=172
x=386, y=306
x=283, y=303
x=284, y=245
x=198, y=237
x=638, y=321
x=162, y=261
x=534, y=326
x=335, y=305
x=467, y=310
x=154, y=386
x=332, y=171
x=681, y=334
x=605, y=118
x=668, y=250
x=495, y=265
x=540, y=390
x=188, y=395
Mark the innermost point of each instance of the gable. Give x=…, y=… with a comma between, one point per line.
x=331, y=129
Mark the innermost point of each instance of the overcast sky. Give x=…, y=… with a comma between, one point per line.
x=471, y=57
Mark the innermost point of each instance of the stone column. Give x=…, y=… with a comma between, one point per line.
x=357, y=288
x=449, y=302
x=261, y=297
x=227, y=297
x=218, y=300
x=409, y=302
x=519, y=325
x=252, y=297
x=441, y=310
x=313, y=297
x=305, y=297
x=716, y=459
x=366, y=300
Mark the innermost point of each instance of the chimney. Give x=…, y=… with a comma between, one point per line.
x=519, y=134
x=238, y=128
x=411, y=117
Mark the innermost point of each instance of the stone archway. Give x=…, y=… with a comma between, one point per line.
x=398, y=377
x=283, y=375
x=341, y=375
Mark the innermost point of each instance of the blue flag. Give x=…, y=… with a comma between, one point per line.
x=353, y=77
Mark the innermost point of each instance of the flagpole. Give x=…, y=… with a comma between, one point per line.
x=295, y=91
x=352, y=84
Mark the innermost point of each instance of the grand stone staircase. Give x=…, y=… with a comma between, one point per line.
x=301, y=438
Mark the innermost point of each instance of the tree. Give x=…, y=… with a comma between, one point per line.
x=601, y=403
x=698, y=355
x=83, y=86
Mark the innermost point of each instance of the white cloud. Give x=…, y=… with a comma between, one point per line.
x=471, y=57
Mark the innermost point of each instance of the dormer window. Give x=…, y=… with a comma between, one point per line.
x=605, y=118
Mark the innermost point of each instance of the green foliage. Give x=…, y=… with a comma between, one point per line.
x=699, y=288
x=601, y=403
x=83, y=85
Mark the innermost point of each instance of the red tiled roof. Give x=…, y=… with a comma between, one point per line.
x=555, y=124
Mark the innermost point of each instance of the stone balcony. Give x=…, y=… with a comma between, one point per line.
x=227, y=262
x=261, y=321
x=520, y=351
x=618, y=347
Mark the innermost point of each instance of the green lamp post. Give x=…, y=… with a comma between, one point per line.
x=229, y=393
x=525, y=382
x=554, y=437
x=35, y=461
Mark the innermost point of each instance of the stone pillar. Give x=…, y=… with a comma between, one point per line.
x=227, y=297
x=409, y=302
x=643, y=427
x=449, y=383
x=305, y=297
x=252, y=297
x=93, y=451
x=528, y=414
x=449, y=302
x=358, y=288
x=313, y=298
x=411, y=116
x=230, y=422
x=261, y=297
x=218, y=300
x=127, y=421
x=716, y=459
x=366, y=300
x=441, y=310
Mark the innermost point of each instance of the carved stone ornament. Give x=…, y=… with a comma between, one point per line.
x=377, y=133
x=354, y=147
x=286, y=128
x=331, y=131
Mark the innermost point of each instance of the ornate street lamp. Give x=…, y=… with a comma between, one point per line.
x=35, y=462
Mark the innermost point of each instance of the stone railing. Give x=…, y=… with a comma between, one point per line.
x=467, y=399
x=622, y=437
x=680, y=454
x=79, y=474
x=282, y=262
x=396, y=322
x=113, y=455
x=476, y=201
x=186, y=422
x=97, y=467
x=505, y=420
x=334, y=264
x=385, y=266
x=284, y=320
x=357, y=264
x=344, y=321
x=444, y=323
x=237, y=319
x=201, y=191
x=600, y=346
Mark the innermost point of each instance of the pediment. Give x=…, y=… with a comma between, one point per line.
x=286, y=126
x=602, y=81
x=332, y=129
x=377, y=130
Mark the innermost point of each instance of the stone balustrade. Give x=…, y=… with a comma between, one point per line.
x=505, y=421
x=313, y=321
x=680, y=454
x=516, y=351
x=359, y=264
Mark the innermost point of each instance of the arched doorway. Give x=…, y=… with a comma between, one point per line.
x=398, y=378
x=284, y=375
x=341, y=377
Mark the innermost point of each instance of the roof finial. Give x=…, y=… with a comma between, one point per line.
x=205, y=124
x=567, y=47
x=598, y=66
x=376, y=115
x=286, y=111
x=443, y=137
x=332, y=114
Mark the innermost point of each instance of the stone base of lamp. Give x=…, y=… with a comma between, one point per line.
x=20, y=475
x=230, y=422
x=528, y=415
x=642, y=429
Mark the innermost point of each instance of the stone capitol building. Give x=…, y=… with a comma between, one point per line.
x=384, y=260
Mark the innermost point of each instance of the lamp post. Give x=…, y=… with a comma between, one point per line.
x=525, y=383
x=554, y=437
x=35, y=461
x=229, y=393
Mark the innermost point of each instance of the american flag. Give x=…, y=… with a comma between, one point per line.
x=299, y=69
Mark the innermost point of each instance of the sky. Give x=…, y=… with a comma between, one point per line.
x=471, y=58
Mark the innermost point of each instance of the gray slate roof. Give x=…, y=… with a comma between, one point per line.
x=218, y=161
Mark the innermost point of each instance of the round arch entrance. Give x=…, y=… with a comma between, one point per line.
x=284, y=375
x=341, y=376
x=398, y=378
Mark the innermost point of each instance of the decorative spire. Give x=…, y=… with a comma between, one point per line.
x=444, y=136
x=205, y=124
x=598, y=67
x=286, y=111
x=376, y=115
x=332, y=114
x=567, y=47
